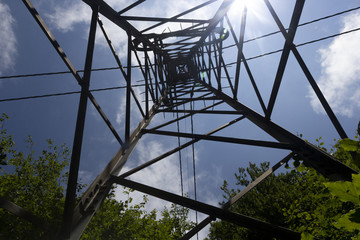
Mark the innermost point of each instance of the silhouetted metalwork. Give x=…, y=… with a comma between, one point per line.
x=179, y=68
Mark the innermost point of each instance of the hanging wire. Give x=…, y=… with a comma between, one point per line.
x=61, y=72
x=65, y=93
x=229, y=64
x=299, y=45
x=180, y=161
x=300, y=25
x=249, y=40
x=139, y=85
x=194, y=165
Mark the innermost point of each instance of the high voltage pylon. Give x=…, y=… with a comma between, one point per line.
x=185, y=74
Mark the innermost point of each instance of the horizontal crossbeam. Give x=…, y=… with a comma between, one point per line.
x=158, y=19
x=238, y=196
x=223, y=139
x=313, y=156
x=239, y=219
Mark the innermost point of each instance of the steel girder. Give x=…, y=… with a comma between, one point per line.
x=178, y=74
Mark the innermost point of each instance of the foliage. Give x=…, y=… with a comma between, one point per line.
x=121, y=220
x=348, y=192
x=295, y=199
x=5, y=142
x=301, y=200
x=36, y=183
x=315, y=210
x=265, y=202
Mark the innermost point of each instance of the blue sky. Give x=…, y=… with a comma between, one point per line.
x=334, y=63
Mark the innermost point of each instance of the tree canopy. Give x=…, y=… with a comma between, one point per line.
x=121, y=220
x=300, y=199
x=35, y=182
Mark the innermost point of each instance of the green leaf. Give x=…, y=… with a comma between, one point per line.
x=356, y=237
x=306, y=236
x=345, y=222
x=346, y=191
x=349, y=145
x=301, y=168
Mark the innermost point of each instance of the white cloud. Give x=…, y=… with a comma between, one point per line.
x=120, y=114
x=8, y=39
x=340, y=78
x=66, y=15
x=136, y=116
x=163, y=175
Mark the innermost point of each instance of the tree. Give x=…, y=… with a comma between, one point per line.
x=265, y=202
x=6, y=141
x=36, y=183
x=121, y=220
x=298, y=199
x=33, y=182
x=348, y=192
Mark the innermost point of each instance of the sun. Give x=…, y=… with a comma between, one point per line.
x=255, y=7
x=251, y=5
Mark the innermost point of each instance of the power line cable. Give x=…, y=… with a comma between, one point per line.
x=60, y=72
x=179, y=143
x=328, y=37
x=65, y=93
x=113, y=68
x=53, y=73
x=301, y=44
x=304, y=24
x=193, y=159
x=139, y=85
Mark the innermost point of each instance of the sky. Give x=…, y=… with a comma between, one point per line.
x=334, y=63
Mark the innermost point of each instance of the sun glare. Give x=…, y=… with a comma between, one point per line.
x=253, y=7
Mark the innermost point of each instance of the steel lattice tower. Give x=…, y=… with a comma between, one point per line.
x=181, y=68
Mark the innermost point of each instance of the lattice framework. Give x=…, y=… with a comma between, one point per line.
x=179, y=69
